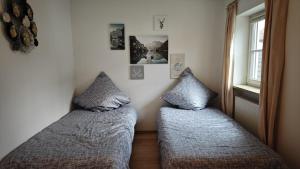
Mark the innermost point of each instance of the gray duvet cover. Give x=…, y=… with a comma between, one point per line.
x=81, y=139
x=208, y=139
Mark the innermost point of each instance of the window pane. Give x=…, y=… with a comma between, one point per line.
x=253, y=29
x=252, y=66
x=257, y=28
x=260, y=34
x=255, y=66
x=259, y=65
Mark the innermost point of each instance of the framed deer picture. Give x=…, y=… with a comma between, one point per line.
x=160, y=22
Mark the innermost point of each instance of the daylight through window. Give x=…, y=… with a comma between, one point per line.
x=257, y=26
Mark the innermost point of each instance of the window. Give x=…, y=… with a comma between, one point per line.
x=257, y=27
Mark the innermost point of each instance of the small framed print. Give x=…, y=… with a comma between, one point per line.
x=177, y=65
x=160, y=22
x=137, y=72
x=117, y=36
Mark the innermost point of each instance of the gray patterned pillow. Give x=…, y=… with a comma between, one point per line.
x=102, y=95
x=189, y=93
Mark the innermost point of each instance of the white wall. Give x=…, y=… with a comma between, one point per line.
x=241, y=46
x=36, y=88
x=245, y=5
x=289, y=134
x=196, y=28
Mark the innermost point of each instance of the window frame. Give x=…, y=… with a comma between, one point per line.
x=253, y=18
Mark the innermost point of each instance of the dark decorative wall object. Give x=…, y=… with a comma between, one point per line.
x=117, y=36
x=19, y=26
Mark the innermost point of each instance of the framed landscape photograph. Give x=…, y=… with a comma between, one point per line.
x=117, y=36
x=151, y=49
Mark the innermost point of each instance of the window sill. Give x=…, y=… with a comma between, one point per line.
x=247, y=92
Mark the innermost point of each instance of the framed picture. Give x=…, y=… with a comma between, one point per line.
x=160, y=22
x=137, y=72
x=177, y=65
x=151, y=49
x=117, y=36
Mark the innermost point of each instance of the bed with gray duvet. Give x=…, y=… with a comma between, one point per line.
x=209, y=139
x=81, y=139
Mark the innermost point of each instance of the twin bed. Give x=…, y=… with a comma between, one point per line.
x=209, y=139
x=100, y=134
x=195, y=136
x=81, y=139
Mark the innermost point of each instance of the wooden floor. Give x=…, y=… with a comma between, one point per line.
x=145, y=152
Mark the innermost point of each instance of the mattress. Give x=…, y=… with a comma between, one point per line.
x=209, y=139
x=81, y=139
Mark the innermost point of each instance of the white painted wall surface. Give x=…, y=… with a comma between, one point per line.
x=36, y=88
x=289, y=127
x=196, y=28
x=241, y=46
x=245, y=5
